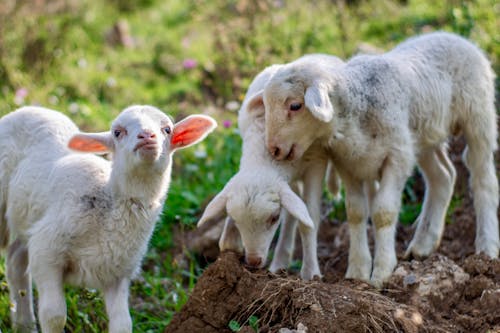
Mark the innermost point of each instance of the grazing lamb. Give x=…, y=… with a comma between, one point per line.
x=255, y=196
x=378, y=116
x=77, y=218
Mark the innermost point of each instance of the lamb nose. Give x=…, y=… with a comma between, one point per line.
x=146, y=135
x=275, y=151
x=254, y=261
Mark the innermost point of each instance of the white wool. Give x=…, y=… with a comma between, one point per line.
x=78, y=218
x=259, y=195
x=379, y=115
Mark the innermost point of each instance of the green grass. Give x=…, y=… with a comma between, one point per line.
x=59, y=58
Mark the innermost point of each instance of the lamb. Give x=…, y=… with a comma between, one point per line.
x=254, y=197
x=77, y=218
x=379, y=115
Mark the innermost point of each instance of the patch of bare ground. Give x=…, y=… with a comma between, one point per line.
x=454, y=290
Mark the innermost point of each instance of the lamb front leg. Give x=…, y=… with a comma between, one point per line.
x=116, y=299
x=356, y=201
x=286, y=243
x=51, y=303
x=384, y=214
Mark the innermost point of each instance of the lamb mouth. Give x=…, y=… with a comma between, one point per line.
x=146, y=145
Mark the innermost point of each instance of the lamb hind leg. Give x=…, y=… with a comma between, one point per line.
x=484, y=183
x=439, y=175
x=19, y=281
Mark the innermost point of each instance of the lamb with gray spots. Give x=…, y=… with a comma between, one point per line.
x=378, y=116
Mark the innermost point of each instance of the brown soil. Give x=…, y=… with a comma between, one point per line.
x=453, y=290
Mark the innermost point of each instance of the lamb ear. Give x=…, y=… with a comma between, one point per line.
x=294, y=205
x=99, y=143
x=318, y=102
x=215, y=210
x=230, y=238
x=255, y=105
x=191, y=130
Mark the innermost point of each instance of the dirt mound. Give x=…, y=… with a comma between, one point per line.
x=228, y=291
x=434, y=295
x=458, y=298
x=454, y=290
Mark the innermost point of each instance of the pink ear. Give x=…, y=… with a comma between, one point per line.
x=90, y=143
x=191, y=130
x=256, y=104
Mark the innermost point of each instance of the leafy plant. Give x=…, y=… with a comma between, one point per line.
x=253, y=321
x=234, y=326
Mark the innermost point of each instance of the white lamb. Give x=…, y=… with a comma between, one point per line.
x=253, y=198
x=77, y=218
x=378, y=116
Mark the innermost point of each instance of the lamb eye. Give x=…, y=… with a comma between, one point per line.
x=274, y=218
x=167, y=130
x=295, y=106
x=117, y=133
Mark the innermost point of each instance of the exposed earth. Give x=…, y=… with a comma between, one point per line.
x=453, y=290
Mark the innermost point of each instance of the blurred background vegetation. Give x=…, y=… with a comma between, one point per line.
x=92, y=58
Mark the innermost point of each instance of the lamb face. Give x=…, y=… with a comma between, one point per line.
x=254, y=203
x=139, y=136
x=142, y=139
x=142, y=135
x=256, y=212
x=292, y=124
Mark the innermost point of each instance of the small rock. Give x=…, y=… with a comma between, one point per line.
x=301, y=328
x=399, y=313
x=490, y=298
x=400, y=271
x=416, y=318
x=409, y=280
x=436, y=276
x=316, y=307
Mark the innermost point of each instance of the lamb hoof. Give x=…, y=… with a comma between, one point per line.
x=54, y=324
x=277, y=266
x=491, y=250
x=377, y=283
x=358, y=273
x=420, y=248
x=309, y=274
x=379, y=278
x=25, y=328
